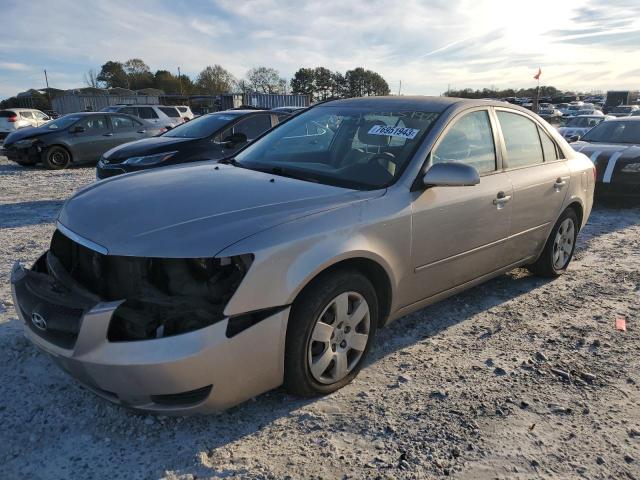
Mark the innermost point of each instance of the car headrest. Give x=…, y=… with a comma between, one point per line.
x=368, y=139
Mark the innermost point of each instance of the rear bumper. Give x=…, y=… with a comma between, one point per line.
x=197, y=372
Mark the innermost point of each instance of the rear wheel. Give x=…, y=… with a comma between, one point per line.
x=560, y=246
x=331, y=328
x=56, y=158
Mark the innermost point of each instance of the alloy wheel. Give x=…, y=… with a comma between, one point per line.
x=564, y=244
x=339, y=338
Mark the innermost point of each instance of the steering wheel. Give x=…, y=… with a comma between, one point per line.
x=382, y=159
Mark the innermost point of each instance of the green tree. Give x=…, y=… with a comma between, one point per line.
x=112, y=75
x=138, y=74
x=303, y=82
x=323, y=83
x=214, y=80
x=166, y=81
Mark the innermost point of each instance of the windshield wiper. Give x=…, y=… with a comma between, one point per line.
x=281, y=172
x=231, y=161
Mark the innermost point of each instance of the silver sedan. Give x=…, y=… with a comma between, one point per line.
x=193, y=288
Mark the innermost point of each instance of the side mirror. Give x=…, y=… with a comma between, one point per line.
x=574, y=138
x=451, y=174
x=78, y=129
x=234, y=139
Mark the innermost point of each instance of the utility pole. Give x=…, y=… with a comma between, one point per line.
x=180, y=80
x=400, y=88
x=46, y=79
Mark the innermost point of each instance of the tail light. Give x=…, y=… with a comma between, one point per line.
x=12, y=119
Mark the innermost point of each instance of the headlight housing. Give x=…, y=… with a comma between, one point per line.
x=631, y=168
x=26, y=143
x=149, y=159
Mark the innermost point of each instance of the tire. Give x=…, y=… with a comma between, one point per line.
x=56, y=158
x=342, y=341
x=554, y=259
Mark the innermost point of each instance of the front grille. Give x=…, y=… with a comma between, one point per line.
x=162, y=296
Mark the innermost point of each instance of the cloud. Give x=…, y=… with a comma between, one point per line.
x=426, y=44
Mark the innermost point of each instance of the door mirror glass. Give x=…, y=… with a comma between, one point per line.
x=451, y=174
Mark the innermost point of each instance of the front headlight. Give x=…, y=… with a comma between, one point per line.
x=150, y=159
x=25, y=143
x=631, y=168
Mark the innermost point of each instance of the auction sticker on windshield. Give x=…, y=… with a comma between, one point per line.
x=403, y=132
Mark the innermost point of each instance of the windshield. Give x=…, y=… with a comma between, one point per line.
x=615, y=132
x=62, y=122
x=583, y=122
x=202, y=126
x=353, y=147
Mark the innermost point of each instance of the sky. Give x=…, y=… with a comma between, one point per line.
x=427, y=45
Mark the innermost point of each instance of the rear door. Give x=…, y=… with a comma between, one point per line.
x=459, y=232
x=27, y=116
x=540, y=178
x=126, y=129
x=150, y=115
x=97, y=138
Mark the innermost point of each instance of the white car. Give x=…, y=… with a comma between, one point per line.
x=581, y=124
x=185, y=112
x=13, y=119
x=160, y=115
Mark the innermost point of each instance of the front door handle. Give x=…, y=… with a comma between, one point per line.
x=108, y=135
x=501, y=199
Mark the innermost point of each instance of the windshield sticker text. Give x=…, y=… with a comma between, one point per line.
x=403, y=132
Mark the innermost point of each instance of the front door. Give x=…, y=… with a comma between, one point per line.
x=540, y=181
x=94, y=140
x=458, y=233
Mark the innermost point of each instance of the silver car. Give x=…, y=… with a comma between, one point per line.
x=195, y=287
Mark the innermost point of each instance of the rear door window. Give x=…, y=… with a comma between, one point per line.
x=122, y=123
x=147, y=113
x=253, y=126
x=26, y=115
x=521, y=140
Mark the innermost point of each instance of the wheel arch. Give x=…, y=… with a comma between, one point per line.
x=578, y=208
x=372, y=269
x=61, y=145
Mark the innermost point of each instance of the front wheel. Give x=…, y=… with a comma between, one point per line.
x=560, y=246
x=331, y=328
x=56, y=158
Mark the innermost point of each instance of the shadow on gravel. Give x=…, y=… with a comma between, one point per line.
x=22, y=214
x=608, y=217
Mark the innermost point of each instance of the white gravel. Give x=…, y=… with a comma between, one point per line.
x=518, y=378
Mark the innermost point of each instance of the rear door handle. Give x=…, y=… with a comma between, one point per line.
x=108, y=135
x=559, y=183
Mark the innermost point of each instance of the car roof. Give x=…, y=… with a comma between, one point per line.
x=424, y=103
x=240, y=112
x=20, y=109
x=625, y=119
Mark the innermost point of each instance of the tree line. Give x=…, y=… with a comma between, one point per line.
x=320, y=82
x=545, y=91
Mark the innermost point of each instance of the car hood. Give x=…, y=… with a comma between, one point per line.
x=28, y=132
x=146, y=146
x=193, y=210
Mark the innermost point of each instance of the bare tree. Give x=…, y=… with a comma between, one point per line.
x=90, y=78
x=265, y=80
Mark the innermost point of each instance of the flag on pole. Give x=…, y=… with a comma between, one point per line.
x=537, y=75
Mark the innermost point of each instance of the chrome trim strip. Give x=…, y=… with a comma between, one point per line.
x=477, y=249
x=81, y=240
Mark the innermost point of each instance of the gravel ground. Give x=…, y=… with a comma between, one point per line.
x=517, y=378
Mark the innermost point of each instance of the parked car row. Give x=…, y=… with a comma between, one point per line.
x=14, y=119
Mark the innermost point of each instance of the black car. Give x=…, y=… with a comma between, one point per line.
x=614, y=147
x=210, y=137
x=75, y=138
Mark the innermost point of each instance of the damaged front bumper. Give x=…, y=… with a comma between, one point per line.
x=205, y=370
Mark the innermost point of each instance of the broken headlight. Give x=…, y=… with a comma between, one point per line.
x=182, y=295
